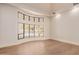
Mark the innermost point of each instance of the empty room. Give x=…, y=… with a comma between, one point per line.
x=39, y=28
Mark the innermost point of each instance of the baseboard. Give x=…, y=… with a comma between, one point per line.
x=66, y=41
x=58, y=39
x=17, y=43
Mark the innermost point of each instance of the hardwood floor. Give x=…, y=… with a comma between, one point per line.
x=46, y=47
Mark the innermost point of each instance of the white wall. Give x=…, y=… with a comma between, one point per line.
x=66, y=27
x=8, y=27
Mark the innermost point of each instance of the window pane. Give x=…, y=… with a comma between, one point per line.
x=26, y=30
x=32, y=30
x=31, y=19
x=26, y=17
x=36, y=30
x=41, y=19
x=20, y=36
x=36, y=19
x=20, y=30
x=41, y=30
x=20, y=15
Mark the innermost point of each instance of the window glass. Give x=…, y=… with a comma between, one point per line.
x=36, y=30
x=36, y=19
x=32, y=28
x=31, y=19
x=20, y=15
x=26, y=18
x=41, y=19
x=41, y=30
x=20, y=36
x=26, y=30
x=20, y=30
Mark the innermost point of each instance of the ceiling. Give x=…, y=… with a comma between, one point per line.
x=44, y=8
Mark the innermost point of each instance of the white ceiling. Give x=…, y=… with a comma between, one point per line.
x=45, y=8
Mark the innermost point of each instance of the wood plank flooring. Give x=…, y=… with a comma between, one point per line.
x=43, y=47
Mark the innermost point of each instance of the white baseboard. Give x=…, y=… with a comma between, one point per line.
x=23, y=41
x=66, y=41
x=19, y=42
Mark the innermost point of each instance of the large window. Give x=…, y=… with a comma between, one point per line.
x=28, y=26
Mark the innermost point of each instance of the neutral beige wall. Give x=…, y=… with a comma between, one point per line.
x=66, y=27
x=8, y=27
